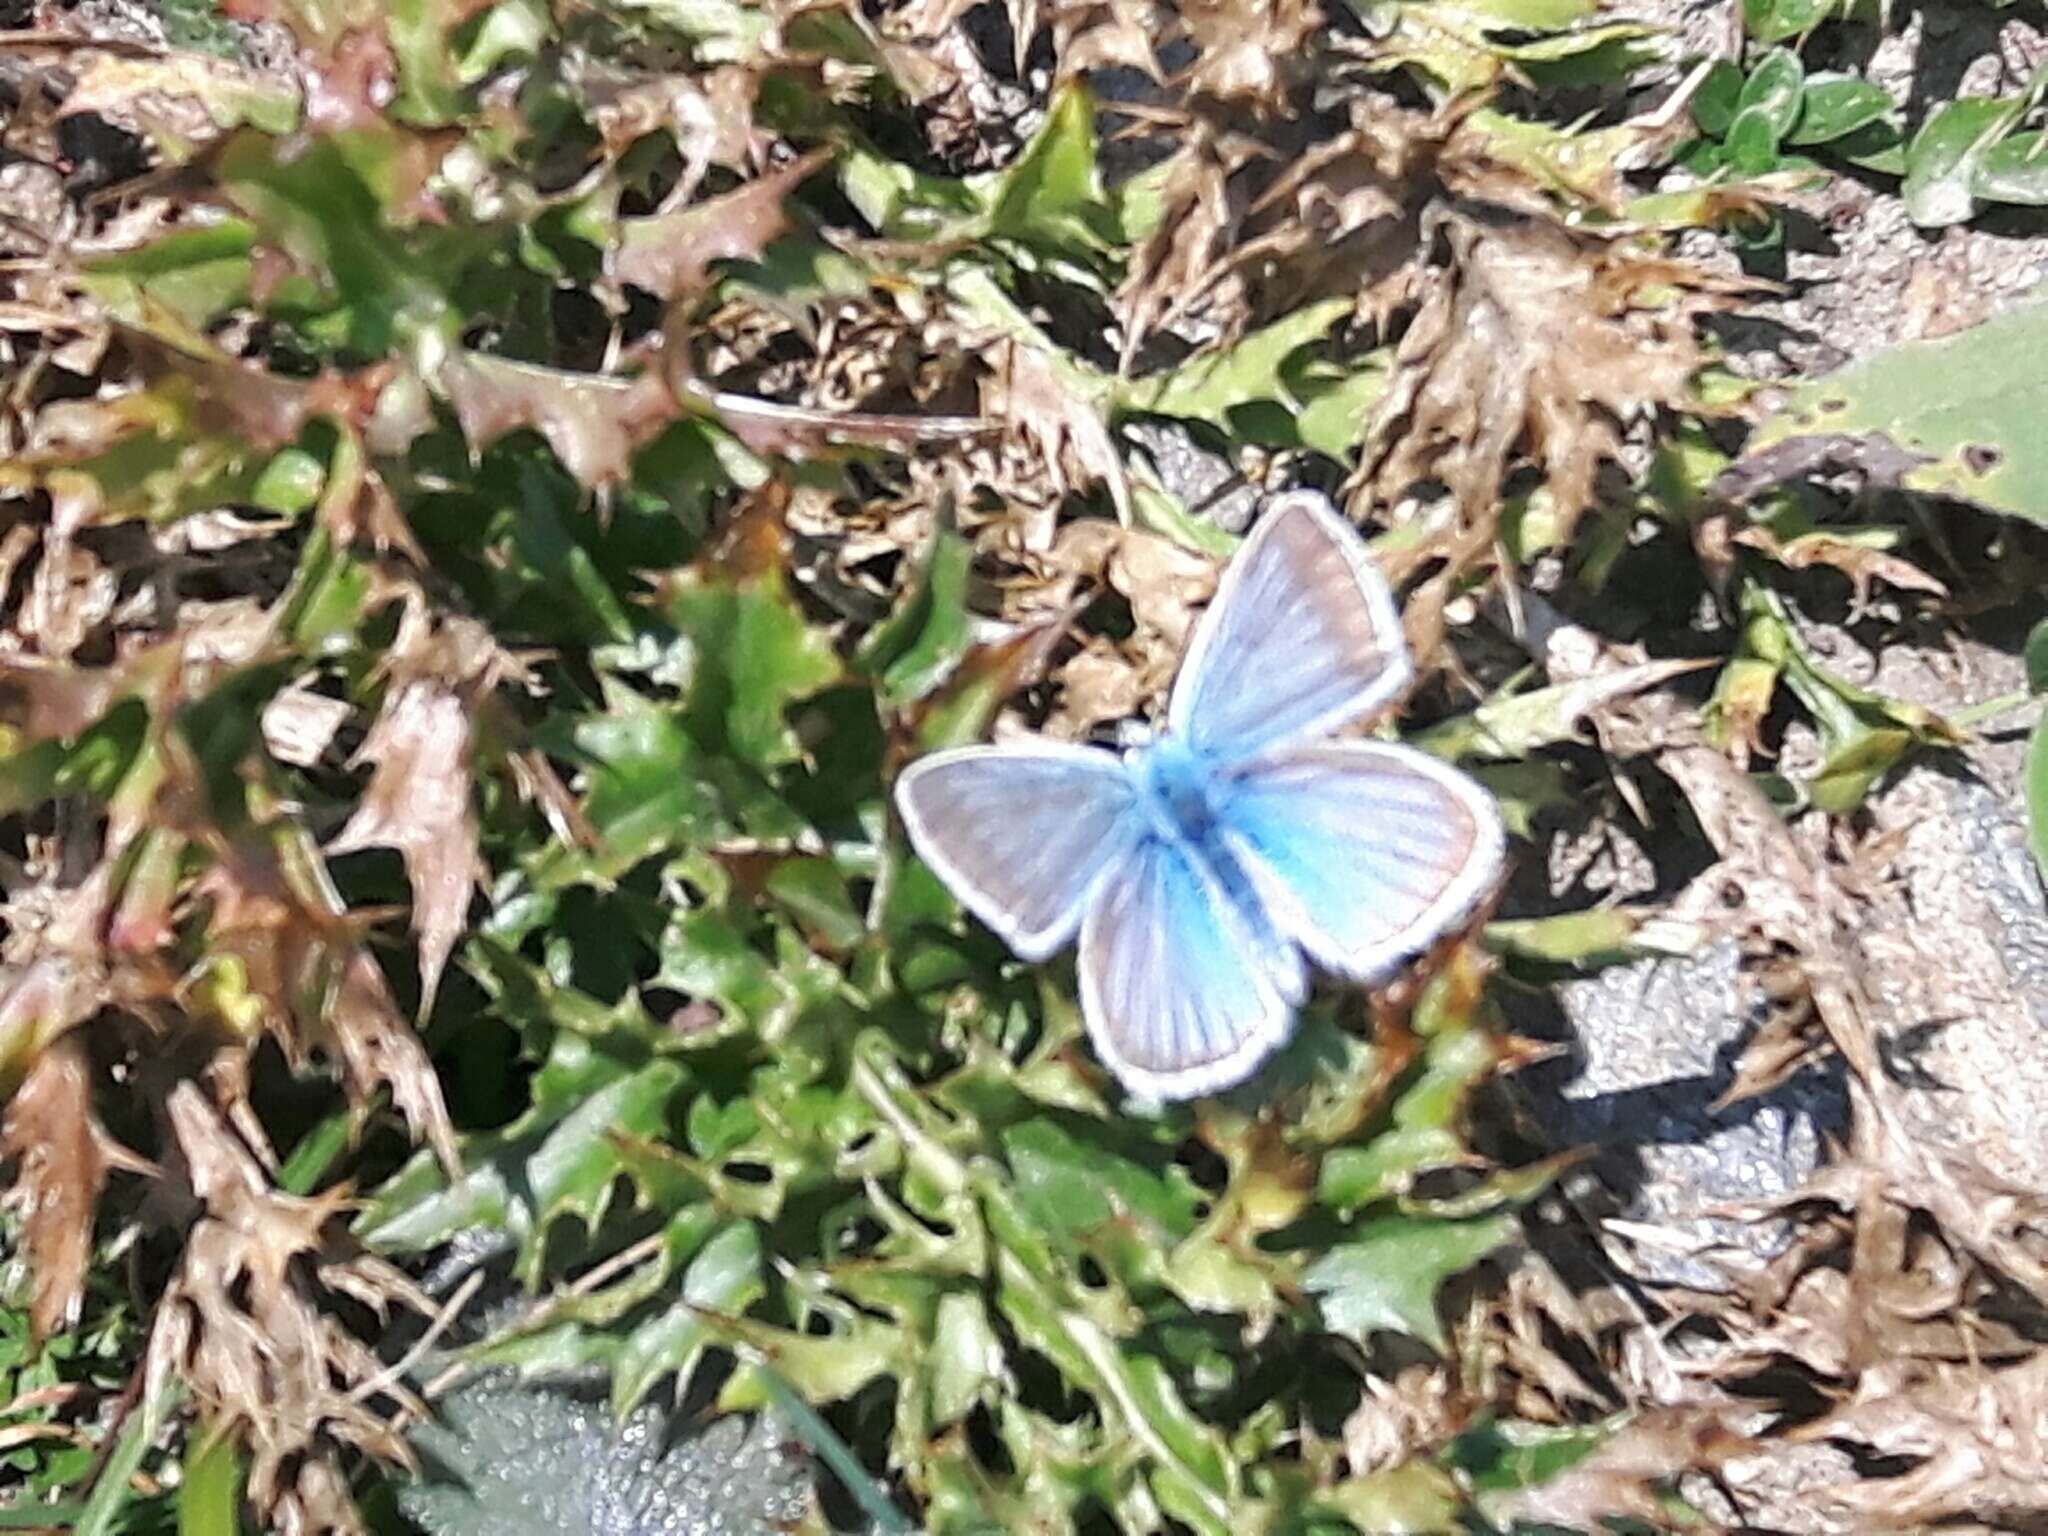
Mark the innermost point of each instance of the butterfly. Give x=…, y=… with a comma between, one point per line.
x=1207, y=868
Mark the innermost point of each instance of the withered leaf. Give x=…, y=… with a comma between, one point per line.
x=1620, y=1479
x=1066, y=429
x=61, y=1156
x=1248, y=50
x=1535, y=342
x=592, y=422
x=311, y=983
x=1861, y=563
x=671, y=254
x=248, y=1324
x=418, y=802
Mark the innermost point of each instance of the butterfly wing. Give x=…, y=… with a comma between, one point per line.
x=1363, y=851
x=1302, y=637
x=1182, y=993
x=1022, y=834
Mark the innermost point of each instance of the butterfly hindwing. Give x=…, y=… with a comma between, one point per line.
x=1302, y=637
x=1363, y=851
x=1181, y=995
x=1023, y=835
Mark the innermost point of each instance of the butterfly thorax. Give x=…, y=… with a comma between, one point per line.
x=1178, y=785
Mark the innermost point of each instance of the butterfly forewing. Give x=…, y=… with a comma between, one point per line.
x=1302, y=637
x=1023, y=835
x=1180, y=996
x=1363, y=851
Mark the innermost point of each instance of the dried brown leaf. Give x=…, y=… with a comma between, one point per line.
x=1025, y=390
x=592, y=422
x=62, y=1156
x=1173, y=270
x=1398, y=1420
x=1860, y=563
x=1535, y=344
x=709, y=114
x=1165, y=585
x=313, y=986
x=423, y=747
x=1249, y=51
x=249, y=1325
x=1625, y=1476
x=671, y=254
x=418, y=803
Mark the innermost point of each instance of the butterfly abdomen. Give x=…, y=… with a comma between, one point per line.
x=1183, y=792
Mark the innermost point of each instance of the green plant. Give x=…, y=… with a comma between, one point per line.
x=1750, y=123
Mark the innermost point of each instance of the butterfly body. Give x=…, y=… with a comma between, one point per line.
x=1177, y=785
x=1205, y=869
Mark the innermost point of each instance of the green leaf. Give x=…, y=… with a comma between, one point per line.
x=1386, y=1276
x=1071, y=1189
x=1965, y=407
x=1865, y=734
x=1834, y=106
x=195, y=275
x=574, y=1168
x=210, y=1493
x=918, y=646
x=1773, y=91
x=725, y=1278
x=1715, y=102
x=2035, y=653
x=646, y=790
x=753, y=657
x=1752, y=143
x=967, y=1358
x=2015, y=170
x=1053, y=191
x=1944, y=157
x=1772, y=21
x=113, y=1491
x=1210, y=385
x=1502, y=1456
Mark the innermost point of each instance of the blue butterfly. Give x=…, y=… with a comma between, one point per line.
x=1205, y=869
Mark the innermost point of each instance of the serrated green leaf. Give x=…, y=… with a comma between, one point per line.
x=1210, y=385
x=574, y=1168
x=1386, y=1276
x=912, y=651
x=724, y=1277
x=754, y=657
